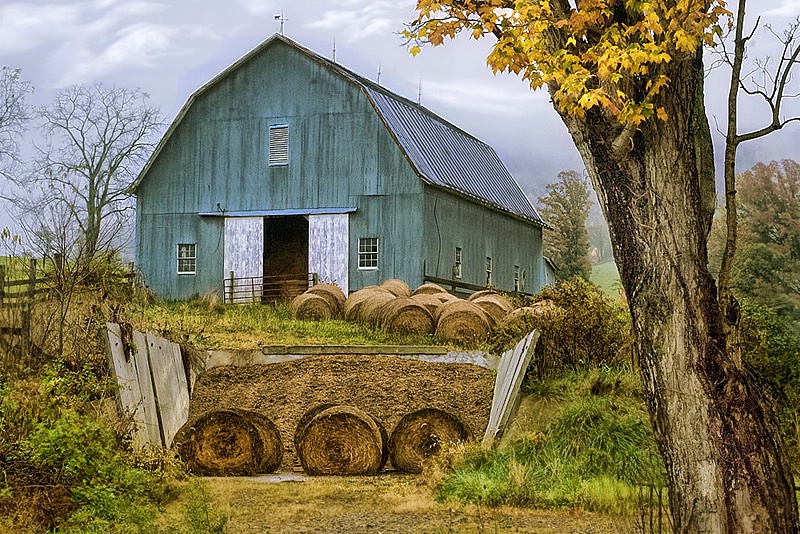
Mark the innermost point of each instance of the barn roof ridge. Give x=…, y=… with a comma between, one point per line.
x=401, y=117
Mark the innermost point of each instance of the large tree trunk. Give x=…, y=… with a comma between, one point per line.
x=725, y=462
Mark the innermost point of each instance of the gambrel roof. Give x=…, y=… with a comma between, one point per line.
x=442, y=154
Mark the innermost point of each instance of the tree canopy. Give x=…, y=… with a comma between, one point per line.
x=566, y=207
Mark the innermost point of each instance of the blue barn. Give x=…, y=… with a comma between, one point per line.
x=287, y=164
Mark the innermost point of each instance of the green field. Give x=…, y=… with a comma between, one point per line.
x=606, y=276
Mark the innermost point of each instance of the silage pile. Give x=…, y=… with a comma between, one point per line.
x=428, y=309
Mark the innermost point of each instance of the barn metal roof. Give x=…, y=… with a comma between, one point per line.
x=442, y=154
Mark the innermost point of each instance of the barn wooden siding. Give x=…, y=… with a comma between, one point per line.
x=340, y=155
x=343, y=159
x=453, y=222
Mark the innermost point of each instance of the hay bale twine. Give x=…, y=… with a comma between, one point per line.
x=496, y=306
x=230, y=442
x=311, y=307
x=333, y=294
x=353, y=304
x=373, y=309
x=428, y=288
x=396, y=287
x=462, y=322
x=340, y=440
x=429, y=300
x=422, y=435
x=407, y=316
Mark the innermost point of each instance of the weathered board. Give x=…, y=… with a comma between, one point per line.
x=328, y=251
x=244, y=254
x=510, y=373
x=169, y=385
x=152, y=385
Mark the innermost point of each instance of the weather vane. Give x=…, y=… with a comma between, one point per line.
x=282, y=19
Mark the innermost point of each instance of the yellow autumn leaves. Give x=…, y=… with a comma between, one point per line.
x=601, y=54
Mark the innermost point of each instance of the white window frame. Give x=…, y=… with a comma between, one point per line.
x=278, y=147
x=368, y=253
x=516, y=278
x=457, y=270
x=184, y=255
x=489, y=266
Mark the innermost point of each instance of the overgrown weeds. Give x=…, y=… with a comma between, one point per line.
x=593, y=453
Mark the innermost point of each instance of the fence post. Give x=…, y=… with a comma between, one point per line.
x=26, y=314
x=2, y=283
x=230, y=290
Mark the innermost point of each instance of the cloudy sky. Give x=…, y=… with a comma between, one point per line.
x=169, y=48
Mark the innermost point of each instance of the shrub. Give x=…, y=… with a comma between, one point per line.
x=580, y=328
x=771, y=349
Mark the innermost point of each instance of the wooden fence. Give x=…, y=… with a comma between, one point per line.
x=17, y=295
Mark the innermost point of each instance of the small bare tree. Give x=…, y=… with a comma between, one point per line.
x=770, y=81
x=14, y=114
x=97, y=139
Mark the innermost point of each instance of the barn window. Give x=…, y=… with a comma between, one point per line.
x=457, y=264
x=488, y=271
x=187, y=258
x=368, y=253
x=516, y=278
x=279, y=145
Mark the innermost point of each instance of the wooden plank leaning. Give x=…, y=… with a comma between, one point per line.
x=122, y=366
x=150, y=428
x=510, y=373
x=169, y=384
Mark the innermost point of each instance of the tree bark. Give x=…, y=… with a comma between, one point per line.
x=726, y=467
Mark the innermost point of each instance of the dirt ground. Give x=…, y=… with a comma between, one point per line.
x=385, y=387
x=388, y=503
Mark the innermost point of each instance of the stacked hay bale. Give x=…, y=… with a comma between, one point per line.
x=319, y=302
x=392, y=305
x=463, y=322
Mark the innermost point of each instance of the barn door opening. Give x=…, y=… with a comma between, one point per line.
x=285, y=256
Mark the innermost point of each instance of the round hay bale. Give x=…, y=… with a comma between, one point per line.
x=429, y=300
x=421, y=435
x=340, y=440
x=333, y=294
x=311, y=307
x=496, y=306
x=396, y=287
x=373, y=309
x=407, y=316
x=482, y=293
x=353, y=304
x=446, y=297
x=462, y=322
x=230, y=442
x=428, y=288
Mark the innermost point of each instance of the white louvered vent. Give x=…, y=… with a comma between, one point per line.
x=279, y=145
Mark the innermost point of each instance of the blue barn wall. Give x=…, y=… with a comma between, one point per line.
x=342, y=156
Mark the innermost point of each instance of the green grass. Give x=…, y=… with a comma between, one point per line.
x=210, y=325
x=606, y=276
x=593, y=450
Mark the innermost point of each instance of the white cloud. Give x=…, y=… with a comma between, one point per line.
x=375, y=18
x=478, y=97
x=136, y=46
x=787, y=8
x=259, y=7
x=27, y=26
